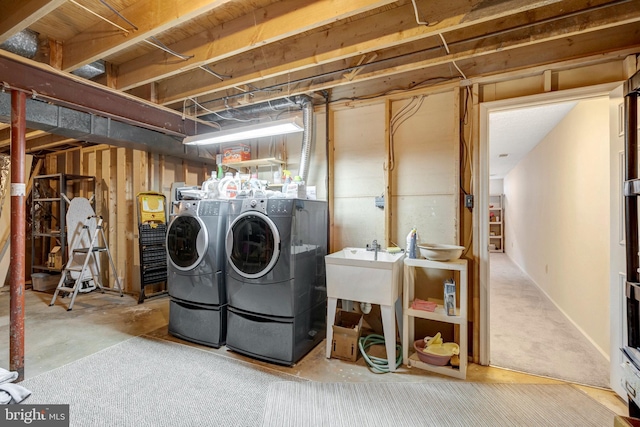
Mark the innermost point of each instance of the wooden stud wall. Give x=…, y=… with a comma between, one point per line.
x=121, y=174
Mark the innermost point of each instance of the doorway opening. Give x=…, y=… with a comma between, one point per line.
x=547, y=277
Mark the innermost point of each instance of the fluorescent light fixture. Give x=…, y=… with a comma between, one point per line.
x=276, y=127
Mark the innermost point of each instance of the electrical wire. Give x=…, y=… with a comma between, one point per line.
x=466, y=159
x=157, y=43
x=378, y=365
x=405, y=113
x=216, y=114
x=99, y=16
x=444, y=42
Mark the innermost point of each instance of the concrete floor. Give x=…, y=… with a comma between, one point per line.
x=55, y=337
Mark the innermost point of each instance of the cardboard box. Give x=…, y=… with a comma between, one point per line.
x=347, y=329
x=43, y=282
x=236, y=153
x=55, y=258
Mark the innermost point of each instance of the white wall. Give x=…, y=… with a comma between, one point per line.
x=496, y=186
x=557, y=217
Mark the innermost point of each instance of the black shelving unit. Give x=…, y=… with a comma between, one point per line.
x=152, y=231
x=632, y=236
x=49, y=202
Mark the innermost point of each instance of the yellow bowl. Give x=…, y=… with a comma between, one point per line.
x=432, y=359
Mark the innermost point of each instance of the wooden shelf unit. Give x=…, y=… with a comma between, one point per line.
x=410, y=358
x=496, y=223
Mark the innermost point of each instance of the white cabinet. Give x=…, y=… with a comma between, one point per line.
x=410, y=358
x=496, y=223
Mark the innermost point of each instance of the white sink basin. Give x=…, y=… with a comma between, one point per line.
x=353, y=274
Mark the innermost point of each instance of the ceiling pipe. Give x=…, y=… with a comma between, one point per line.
x=303, y=102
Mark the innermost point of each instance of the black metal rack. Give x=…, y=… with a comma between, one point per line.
x=48, y=211
x=632, y=248
x=153, y=250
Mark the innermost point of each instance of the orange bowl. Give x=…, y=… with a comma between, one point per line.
x=432, y=359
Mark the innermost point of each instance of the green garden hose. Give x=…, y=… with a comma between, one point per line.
x=378, y=365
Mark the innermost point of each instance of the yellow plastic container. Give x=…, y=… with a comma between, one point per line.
x=152, y=207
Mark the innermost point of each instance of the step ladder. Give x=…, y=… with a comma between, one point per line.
x=83, y=282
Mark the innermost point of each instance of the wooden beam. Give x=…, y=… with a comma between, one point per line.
x=498, y=56
x=18, y=15
x=111, y=72
x=139, y=184
x=75, y=92
x=150, y=16
x=5, y=136
x=388, y=175
x=320, y=55
x=276, y=22
x=55, y=54
x=49, y=142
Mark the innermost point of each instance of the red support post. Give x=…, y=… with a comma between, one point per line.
x=18, y=220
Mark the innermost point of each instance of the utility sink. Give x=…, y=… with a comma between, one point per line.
x=356, y=274
x=353, y=274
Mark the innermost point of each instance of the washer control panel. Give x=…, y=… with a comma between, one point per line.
x=251, y=204
x=188, y=206
x=209, y=208
x=280, y=206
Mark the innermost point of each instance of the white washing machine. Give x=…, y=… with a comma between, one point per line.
x=196, y=272
x=276, y=280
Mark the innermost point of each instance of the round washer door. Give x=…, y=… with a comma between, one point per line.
x=253, y=244
x=187, y=242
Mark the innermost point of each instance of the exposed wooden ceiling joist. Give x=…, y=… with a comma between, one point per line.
x=363, y=36
x=240, y=52
x=463, y=44
x=18, y=15
x=150, y=18
x=272, y=24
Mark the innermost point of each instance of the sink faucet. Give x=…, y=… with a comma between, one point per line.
x=375, y=247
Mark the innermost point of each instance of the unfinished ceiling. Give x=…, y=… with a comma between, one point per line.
x=197, y=56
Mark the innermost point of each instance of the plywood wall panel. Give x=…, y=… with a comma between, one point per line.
x=356, y=223
x=424, y=176
x=434, y=216
x=425, y=149
x=359, y=152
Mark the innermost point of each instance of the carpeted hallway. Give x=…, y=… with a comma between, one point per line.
x=529, y=334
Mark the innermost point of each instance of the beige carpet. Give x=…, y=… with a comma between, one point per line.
x=460, y=404
x=529, y=334
x=146, y=382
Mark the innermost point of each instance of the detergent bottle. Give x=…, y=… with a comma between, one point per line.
x=228, y=187
x=287, y=181
x=412, y=243
x=210, y=187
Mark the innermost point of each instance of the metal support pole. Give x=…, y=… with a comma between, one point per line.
x=18, y=220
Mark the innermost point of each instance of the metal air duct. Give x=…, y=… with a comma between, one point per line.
x=25, y=44
x=303, y=102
